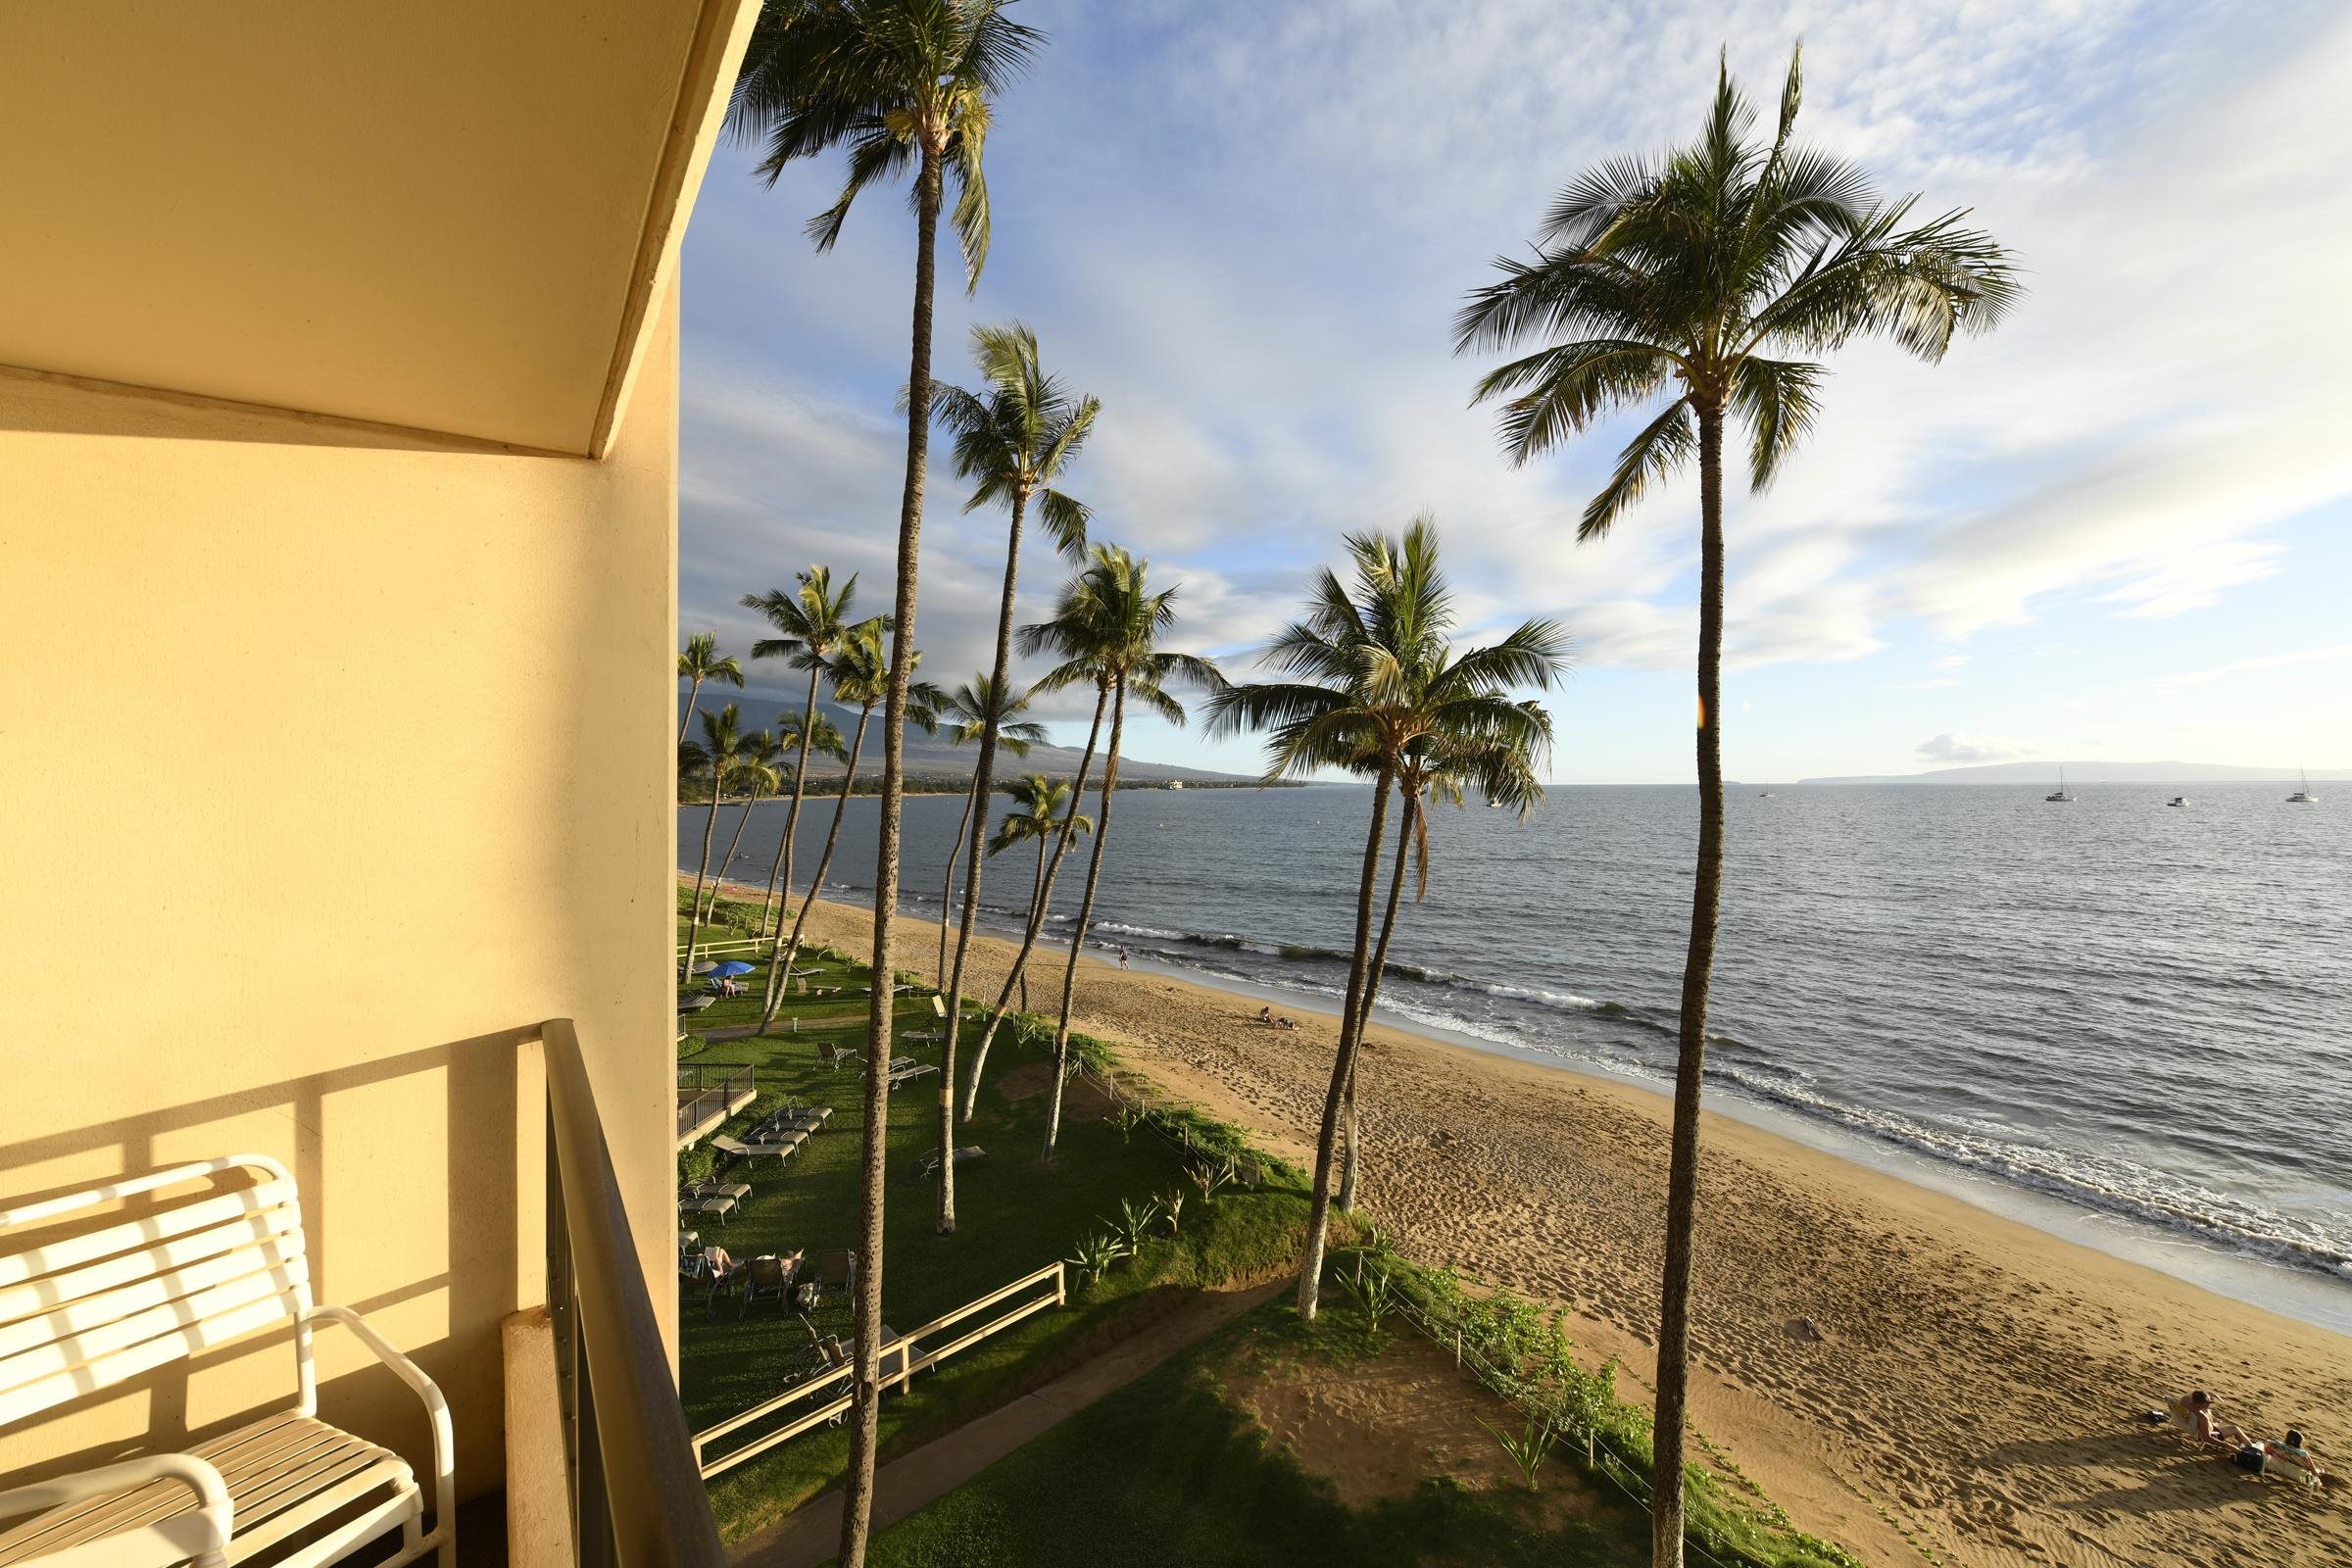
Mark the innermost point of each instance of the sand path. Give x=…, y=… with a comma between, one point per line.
x=1971, y=1389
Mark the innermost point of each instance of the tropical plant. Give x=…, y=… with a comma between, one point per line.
x=1012, y=439
x=1171, y=1203
x=1504, y=770
x=1707, y=276
x=809, y=623
x=1096, y=1255
x=1527, y=1448
x=1044, y=808
x=698, y=661
x=970, y=712
x=1134, y=1225
x=1106, y=630
x=720, y=750
x=893, y=83
x=1212, y=1176
x=758, y=776
x=861, y=680
x=1377, y=676
x=1374, y=1290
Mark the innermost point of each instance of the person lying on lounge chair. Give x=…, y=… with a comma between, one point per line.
x=2193, y=1415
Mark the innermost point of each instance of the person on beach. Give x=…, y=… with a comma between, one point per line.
x=2192, y=1413
x=2289, y=1450
x=1122, y=958
x=1265, y=1015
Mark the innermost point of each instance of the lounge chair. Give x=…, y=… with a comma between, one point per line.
x=834, y=1272
x=964, y=1157
x=906, y=1069
x=718, y=1204
x=769, y=1279
x=778, y=1147
x=795, y=1121
x=838, y=1056
x=738, y=1191
x=696, y=1002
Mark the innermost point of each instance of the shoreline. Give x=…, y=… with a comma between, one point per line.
x=1972, y=1386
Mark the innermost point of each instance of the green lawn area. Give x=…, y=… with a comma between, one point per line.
x=1170, y=1469
x=1014, y=1217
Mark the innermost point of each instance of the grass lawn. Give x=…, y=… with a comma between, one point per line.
x=1173, y=1468
x=1014, y=1217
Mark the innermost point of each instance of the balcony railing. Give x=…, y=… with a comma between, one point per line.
x=708, y=1094
x=635, y=1491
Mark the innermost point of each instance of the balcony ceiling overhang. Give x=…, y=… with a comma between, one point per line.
x=448, y=215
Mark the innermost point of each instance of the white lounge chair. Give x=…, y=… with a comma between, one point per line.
x=208, y=1264
x=778, y=1147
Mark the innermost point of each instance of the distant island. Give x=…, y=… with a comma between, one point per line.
x=2085, y=772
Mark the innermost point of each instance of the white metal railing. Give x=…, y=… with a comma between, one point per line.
x=902, y=1358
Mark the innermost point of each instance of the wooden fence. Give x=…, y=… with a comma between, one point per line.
x=902, y=1358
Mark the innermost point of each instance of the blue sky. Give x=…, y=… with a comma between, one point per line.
x=2115, y=530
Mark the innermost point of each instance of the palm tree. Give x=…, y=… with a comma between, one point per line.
x=809, y=623
x=861, y=678
x=1106, y=629
x=1042, y=804
x=893, y=83
x=699, y=661
x=1377, y=675
x=756, y=775
x=720, y=751
x=1014, y=440
x=970, y=712
x=1504, y=771
x=1705, y=275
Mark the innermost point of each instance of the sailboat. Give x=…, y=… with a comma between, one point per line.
x=2303, y=796
x=2059, y=794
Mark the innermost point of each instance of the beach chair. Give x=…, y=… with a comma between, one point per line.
x=777, y=1148
x=741, y=1192
x=211, y=1258
x=838, y=1056
x=964, y=1157
x=768, y=1277
x=906, y=1069
x=717, y=1205
x=835, y=1272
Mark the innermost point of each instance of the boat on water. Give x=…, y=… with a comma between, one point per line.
x=2059, y=794
x=1764, y=795
x=2177, y=800
x=2303, y=796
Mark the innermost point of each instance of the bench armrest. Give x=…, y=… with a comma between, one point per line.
x=436, y=1410
x=201, y=1536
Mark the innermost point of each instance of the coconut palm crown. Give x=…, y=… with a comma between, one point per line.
x=891, y=81
x=1710, y=274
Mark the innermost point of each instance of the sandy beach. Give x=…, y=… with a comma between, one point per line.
x=1966, y=1390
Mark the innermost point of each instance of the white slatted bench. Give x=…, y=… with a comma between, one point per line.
x=198, y=1265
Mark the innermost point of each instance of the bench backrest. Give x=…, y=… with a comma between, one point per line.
x=82, y=1309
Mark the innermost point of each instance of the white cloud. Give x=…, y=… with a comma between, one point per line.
x=2199, y=677
x=1952, y=746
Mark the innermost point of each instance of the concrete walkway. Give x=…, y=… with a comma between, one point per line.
x=811, y=1536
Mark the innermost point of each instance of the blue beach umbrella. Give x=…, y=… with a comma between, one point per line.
x=730, y=969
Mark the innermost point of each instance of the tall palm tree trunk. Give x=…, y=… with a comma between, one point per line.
x=1699, y=967
x=799, y=922
x=1351, y=1158
x=781, y=870
x=693, y=694
x=1085, y=911
x=1037, y=911
x=694, y=919
x=1318, y=1219
x=857, y=1488
x=947, y=894
x=984, y=771
x=1037, y=898
x=720, y=880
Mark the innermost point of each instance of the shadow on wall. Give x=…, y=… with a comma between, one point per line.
x=487, y=1166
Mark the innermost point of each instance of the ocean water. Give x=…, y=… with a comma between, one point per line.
x=2139, y=1016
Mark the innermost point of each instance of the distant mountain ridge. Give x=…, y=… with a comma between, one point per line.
x=2084, y=772
x=930, y=756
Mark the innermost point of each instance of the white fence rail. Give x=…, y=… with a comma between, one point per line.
x=902, y=1358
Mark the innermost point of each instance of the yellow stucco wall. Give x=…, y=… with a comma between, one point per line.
x=333, y=761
